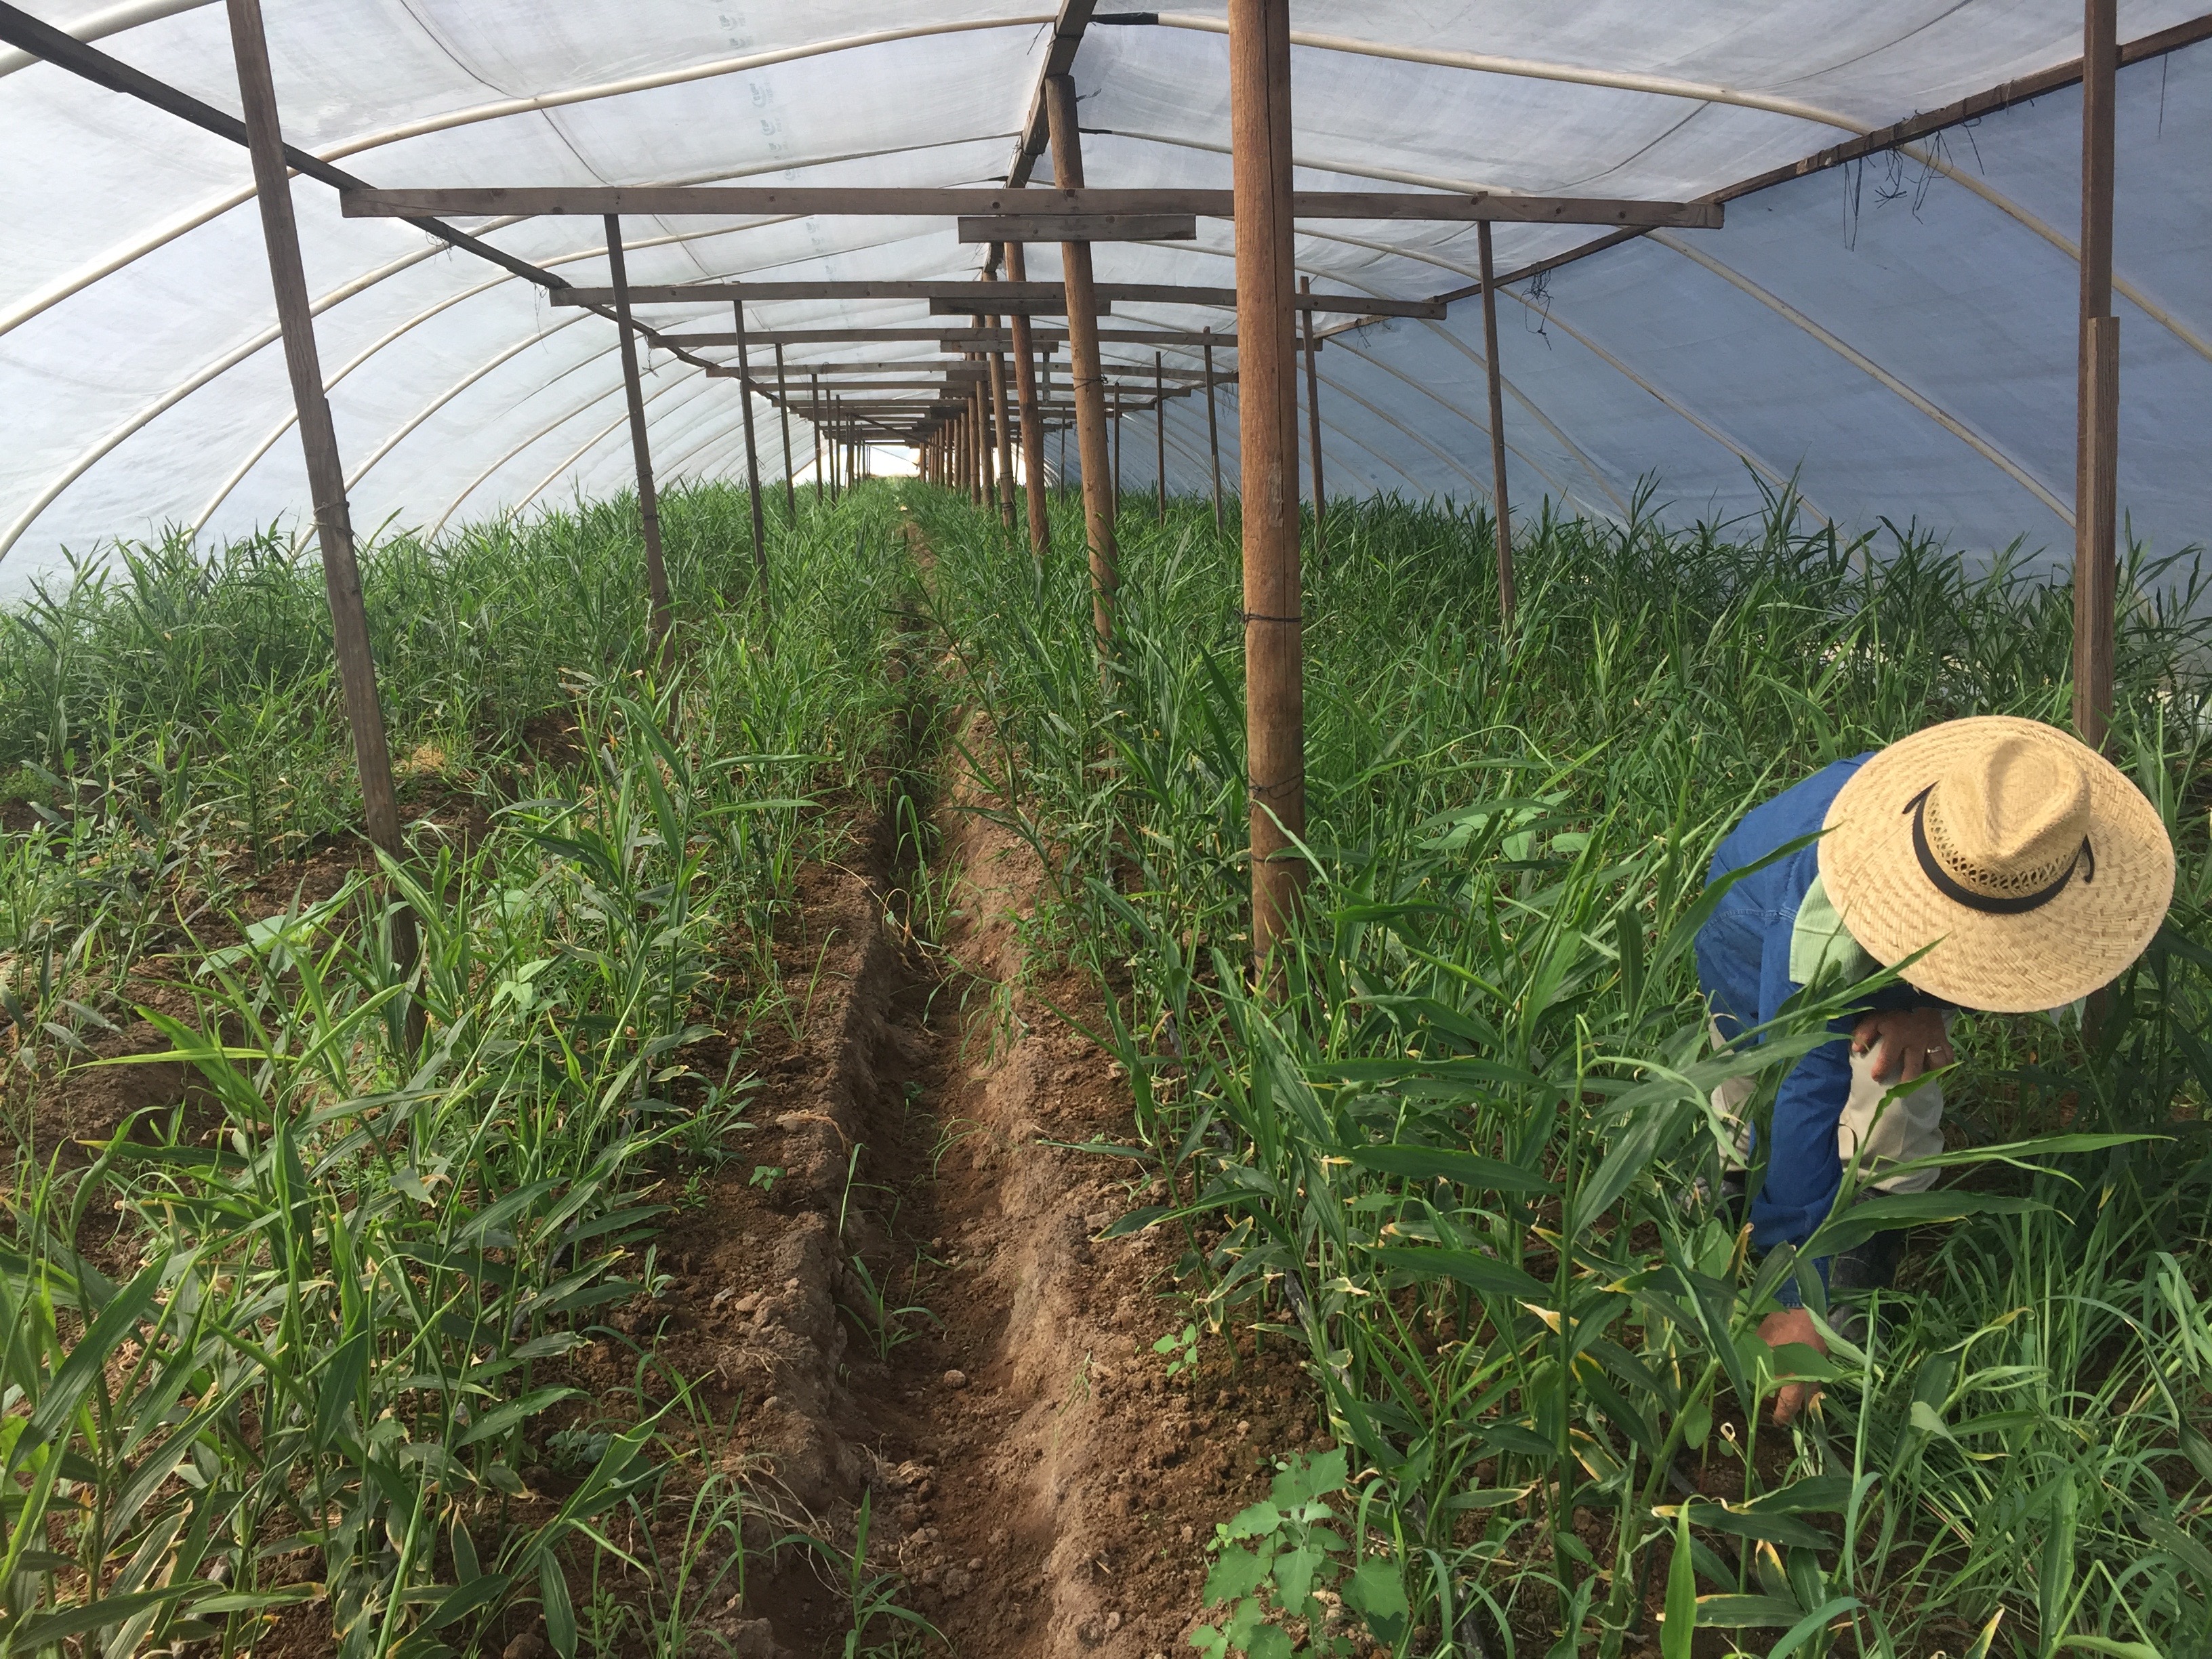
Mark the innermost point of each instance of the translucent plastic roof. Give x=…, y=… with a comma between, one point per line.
x=1898, y=333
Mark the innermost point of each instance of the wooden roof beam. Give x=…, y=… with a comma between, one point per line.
x=948, y=338
x=985, y=298
x=1059, y=59
x=361, y=202
x=972, y=368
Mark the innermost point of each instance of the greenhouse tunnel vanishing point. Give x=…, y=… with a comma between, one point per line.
x=1892, y=333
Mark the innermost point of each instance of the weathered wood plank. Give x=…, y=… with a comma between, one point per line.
x=878, y=201
x=1078, y=227
x=985, y=298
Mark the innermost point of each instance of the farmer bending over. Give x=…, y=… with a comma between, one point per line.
x=2030, y=863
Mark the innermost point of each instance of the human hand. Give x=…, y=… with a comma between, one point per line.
x=1779, y=1329
x=1906, y=1041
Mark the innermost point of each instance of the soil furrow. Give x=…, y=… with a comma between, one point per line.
x=913, y=1312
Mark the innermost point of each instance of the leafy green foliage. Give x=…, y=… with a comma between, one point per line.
x=1467, y=1157
x=358, y=1259
x=1281, y=1562
x=1180, y=1349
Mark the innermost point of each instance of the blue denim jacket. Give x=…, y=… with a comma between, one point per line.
x=1743, y=965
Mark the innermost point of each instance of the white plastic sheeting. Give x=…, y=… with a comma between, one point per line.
x=1898, y=335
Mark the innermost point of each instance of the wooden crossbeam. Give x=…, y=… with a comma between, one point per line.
x=952, y=339
x=1051, y=305
x=962, y=368
x=1078, y=227
x=1128, y=376
x=986, y=298
x=729, y=372
x=868, y=201
x=911, y=399
x=999, y=339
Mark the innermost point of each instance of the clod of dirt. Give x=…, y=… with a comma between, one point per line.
x=525, y=1646
x=956, y=1379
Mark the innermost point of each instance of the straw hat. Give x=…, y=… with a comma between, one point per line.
x=2035, y=868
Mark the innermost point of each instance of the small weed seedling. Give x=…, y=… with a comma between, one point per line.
x=1180, y=1349
x=764, y=1176
x=1273, y=1558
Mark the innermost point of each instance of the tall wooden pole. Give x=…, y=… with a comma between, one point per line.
x=814, y=420
x=986, y=453
x=783, y=414
x=1501, y=516
x=1313, y=416
x=1004, y=429
x=2096, y=503
x=1025, y=396
x=1117, y=465
x=1267, y=431
x=752, y=466
x=1160, y=429
x=1213, y=433
x=325, y=474
x=1086, y=376
x=649, y=503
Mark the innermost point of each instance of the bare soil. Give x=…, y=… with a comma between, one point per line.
x=1032, y=1475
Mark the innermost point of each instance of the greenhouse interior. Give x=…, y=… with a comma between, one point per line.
x=1296, y=830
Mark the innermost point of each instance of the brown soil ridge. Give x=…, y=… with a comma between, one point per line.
x=1070, y=1485
x=1054, y=1500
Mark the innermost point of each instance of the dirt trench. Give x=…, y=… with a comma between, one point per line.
x=1035, y=1482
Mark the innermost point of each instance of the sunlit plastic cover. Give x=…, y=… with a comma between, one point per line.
x=1896, y=336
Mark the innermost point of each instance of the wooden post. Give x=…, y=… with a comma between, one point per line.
x=2096, y=465
x=752, y=466
x=1313, y=416
x=1004, y=429
x=1501, y=518
x=986, y=455
x=1213, y=433
x=1160, y=429
x=1267, y=429
x=783, y=416
x=325, y=474
x=1025, y=396
x=1086, y=376
x=1117, y=465
x=814, y=420
x=648, y=504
